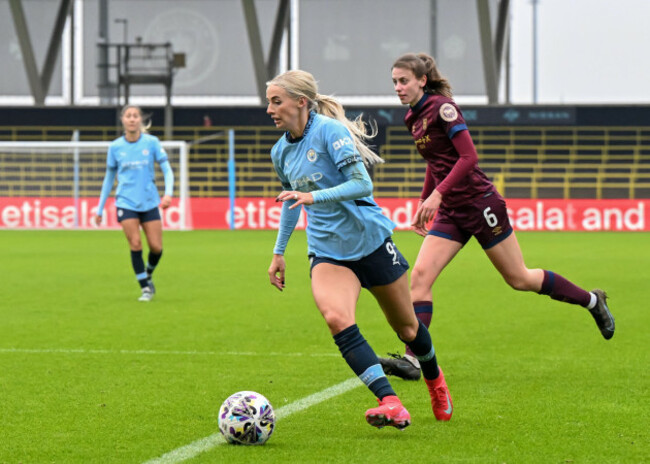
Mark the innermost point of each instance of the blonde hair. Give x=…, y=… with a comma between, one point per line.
x=145, y=123
x=424, y=65
x=298, y=83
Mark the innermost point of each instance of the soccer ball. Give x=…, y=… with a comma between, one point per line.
x=246, y=418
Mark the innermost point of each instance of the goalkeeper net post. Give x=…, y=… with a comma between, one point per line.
x=50, y=185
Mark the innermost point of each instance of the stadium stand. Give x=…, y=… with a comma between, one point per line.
x=524, y=162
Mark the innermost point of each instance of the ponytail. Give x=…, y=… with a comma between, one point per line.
x=299, y=84
x=329, y=106
x=424, y=65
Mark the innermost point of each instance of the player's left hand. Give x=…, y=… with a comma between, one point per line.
x=165, y=202
x=300, y=198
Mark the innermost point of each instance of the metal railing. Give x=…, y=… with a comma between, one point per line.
x=524, y=162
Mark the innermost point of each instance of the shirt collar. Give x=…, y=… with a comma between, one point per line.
x=419, y=104
x=310, y=120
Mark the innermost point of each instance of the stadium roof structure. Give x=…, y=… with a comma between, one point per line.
x=281, y=54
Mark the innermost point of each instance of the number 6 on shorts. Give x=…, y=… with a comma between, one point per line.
x=490, y=218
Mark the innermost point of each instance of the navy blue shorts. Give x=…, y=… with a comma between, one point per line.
x=485, y=218
x=381, y=267
x=144, y=216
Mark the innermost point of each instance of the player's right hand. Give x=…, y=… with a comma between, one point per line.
x=420, y=230
x=165, y=202
x=426, y=212
x=276, y=272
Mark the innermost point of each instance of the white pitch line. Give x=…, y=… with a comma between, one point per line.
x=207, y=443
x=161, y=352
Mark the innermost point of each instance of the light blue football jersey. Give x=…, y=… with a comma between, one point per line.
x=135, y=163
x=343, y=230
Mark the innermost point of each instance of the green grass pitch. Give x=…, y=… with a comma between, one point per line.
x=90, y=375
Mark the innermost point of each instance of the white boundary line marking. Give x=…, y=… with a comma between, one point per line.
x=207, y=443
x=157, y=352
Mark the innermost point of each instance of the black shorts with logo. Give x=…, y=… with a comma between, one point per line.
x=144, y=216
x=381, y=267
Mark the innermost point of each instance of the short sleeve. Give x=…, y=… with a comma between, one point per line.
x=111, y=160
x=160, y=153
x=451, y=119
x=340, y=144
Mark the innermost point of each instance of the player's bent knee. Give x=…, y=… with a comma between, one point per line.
x=417, y=274
x=518, y=283
x=407, y=333
x=336, y=321
x=420, y=279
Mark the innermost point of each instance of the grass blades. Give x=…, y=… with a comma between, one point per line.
x=89, y=374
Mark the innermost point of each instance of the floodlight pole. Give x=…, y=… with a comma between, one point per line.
x=534, y=2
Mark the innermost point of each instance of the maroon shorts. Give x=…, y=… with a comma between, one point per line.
x=485, y=218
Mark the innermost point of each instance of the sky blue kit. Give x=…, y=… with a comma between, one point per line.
x=344, y=223
x=134, y=164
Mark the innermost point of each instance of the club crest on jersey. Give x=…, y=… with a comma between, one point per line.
x=145, y=152
x=311, y=155
x=424, y=124
x=448, y=112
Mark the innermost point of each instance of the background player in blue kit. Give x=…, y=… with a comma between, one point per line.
x=320, y=162
x=464, y=203
x=132, y=157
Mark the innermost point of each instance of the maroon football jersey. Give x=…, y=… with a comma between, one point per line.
x=433, y=122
